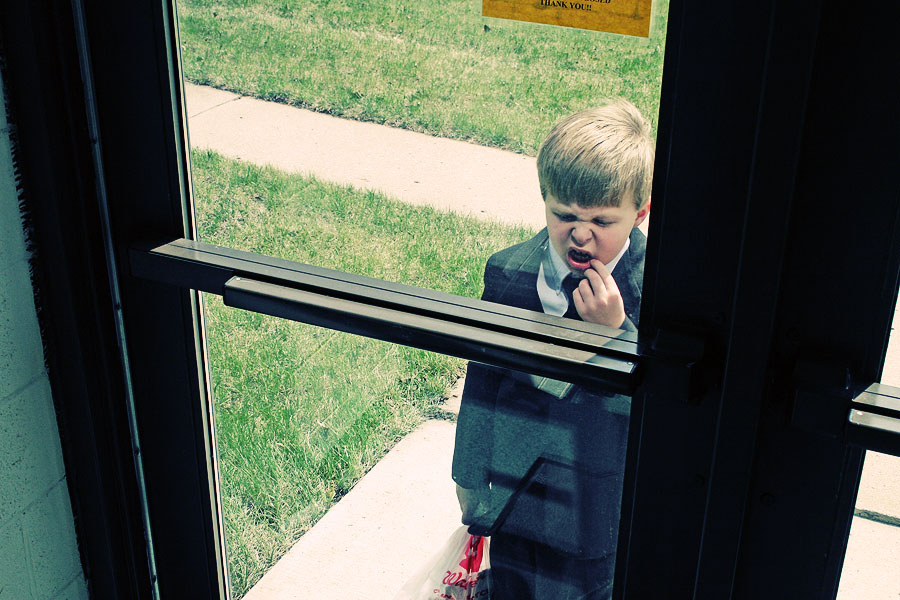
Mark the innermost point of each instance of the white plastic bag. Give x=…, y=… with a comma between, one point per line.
x=460, y=571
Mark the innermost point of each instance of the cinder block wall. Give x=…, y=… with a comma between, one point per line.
x=38, y=550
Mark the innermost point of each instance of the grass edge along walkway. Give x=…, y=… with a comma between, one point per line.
x=303, y=412
x=489, y=183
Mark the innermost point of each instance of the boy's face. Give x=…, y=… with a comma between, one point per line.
x=579, y=234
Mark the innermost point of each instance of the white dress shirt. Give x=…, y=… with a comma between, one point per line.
x=551, y=273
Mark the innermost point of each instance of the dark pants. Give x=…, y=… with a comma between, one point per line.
x=525, y=570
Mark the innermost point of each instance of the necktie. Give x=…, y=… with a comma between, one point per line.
x=568, y=286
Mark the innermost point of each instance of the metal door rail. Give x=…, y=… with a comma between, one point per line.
x=874, y=419
x=582, y=353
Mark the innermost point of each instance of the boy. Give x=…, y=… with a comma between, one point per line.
x=558, y=448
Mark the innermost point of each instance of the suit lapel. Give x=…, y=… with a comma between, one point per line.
x=629, y=275
x=521, y=271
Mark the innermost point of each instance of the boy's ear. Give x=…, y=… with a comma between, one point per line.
x=642, y=213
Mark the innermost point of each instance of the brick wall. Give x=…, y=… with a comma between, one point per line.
x=38, y=551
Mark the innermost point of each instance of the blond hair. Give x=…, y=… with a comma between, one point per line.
x=598, y=156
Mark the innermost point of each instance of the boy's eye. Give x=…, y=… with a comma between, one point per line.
x=602, y=223
x=565, y=218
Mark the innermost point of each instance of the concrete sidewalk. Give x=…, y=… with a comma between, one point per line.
x=405, y=508
x=380, y=533
x=414, y=167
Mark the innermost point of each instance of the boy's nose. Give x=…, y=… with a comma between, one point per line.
x=581, y=234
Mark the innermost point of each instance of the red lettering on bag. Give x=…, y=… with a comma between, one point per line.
x=452, y=577
x=473, y=554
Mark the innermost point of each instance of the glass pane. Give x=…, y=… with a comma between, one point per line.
x=873, y=551
x=399, y=141
x=543, y=462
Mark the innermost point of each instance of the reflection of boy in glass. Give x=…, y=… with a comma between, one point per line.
x=559, y=540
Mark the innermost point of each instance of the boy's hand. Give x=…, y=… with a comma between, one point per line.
x=597, y=298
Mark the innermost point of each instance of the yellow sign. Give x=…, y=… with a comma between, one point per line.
x=629, y=17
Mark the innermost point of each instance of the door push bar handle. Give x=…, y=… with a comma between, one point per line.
x=590, y=355
x=433, y=333
x=827, y=402
x=874, y=419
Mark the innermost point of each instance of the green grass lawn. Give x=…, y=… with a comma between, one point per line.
x=430, y=66
x=303, y=412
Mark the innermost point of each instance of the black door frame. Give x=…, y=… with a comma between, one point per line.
x=771, y=278
x=793, y=323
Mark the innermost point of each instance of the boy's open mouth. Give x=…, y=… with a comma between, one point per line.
x=579, y=260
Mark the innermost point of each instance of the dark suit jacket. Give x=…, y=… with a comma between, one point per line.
x=509, y=421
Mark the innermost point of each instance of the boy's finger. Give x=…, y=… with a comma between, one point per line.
x=581, y=300
x=607, y=277
x=595, y=280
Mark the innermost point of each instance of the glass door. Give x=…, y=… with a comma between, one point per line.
x=400, y=143
x=750, y=350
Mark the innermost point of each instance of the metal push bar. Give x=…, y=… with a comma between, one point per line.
x=582, y=353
